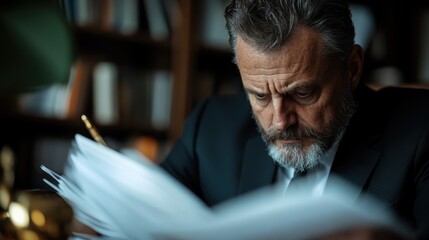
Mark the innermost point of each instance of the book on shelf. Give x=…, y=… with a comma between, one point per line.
x=63, y=101
x=127, y=17
x=157, y=20
x=59, y=100
x=135, y=92
x=118, y=94
x=110, y=15
x=79, y=87
x=47, y=102
x=144, y=202
x=145, y=97
x=212, y=27
x=161, y=99
x=105, y=94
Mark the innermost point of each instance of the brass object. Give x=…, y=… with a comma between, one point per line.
x=37, y=215
x=92, y=130
x=31, y=214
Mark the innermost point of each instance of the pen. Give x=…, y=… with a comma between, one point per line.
x=92, y=130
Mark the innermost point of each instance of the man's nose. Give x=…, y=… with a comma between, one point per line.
x=284, y=114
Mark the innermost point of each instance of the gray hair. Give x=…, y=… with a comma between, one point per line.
x=268, y=24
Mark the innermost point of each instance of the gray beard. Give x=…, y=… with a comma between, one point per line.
x=295, y=156
x=298, y=156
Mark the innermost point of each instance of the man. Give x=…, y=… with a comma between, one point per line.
x=304, y=110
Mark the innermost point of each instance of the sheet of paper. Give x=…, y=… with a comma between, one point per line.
x=132, y=198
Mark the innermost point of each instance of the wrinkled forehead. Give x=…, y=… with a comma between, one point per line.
x=303, y=50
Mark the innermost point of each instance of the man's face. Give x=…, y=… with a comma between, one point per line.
x=300, y=99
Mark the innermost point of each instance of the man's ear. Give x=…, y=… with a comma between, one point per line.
x=355, y=66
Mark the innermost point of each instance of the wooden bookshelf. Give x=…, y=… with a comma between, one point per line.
x=137, y=50
x=187, y=58
x=33, y=125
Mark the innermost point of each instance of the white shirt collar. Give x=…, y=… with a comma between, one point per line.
x=317, y=177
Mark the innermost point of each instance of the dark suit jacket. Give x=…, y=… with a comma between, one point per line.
x=384, y=152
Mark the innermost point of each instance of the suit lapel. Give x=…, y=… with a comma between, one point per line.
x=258, y=168
x=355, y=166
x=357, y=156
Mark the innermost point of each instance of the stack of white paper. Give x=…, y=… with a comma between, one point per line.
x=128, y=198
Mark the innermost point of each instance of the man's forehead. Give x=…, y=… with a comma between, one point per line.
x=303, y=43
x=302, y=55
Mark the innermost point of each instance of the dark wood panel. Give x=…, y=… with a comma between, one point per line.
x=137, y=50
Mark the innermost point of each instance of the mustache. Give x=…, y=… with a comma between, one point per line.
x=292, y=133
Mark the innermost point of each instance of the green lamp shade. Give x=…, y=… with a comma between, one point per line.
x=36, y=48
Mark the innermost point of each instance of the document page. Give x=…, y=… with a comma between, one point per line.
x=132, y=198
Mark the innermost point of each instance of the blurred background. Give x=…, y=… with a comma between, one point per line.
x=136, y=68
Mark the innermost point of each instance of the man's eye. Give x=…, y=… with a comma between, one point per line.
x=303, y=94
x=306, y=96
x=260, y=96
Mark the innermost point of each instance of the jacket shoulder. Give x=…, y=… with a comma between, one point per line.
x=219, y=112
